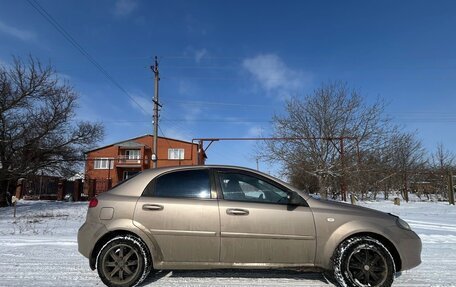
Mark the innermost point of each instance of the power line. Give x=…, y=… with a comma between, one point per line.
x=221, y=120
x=218, y=103
x=166, y=138
x=171, y=57
x=203, y=78
x=163, y=134
x=174, y=125
x=78, y=47
x=210, y=120
x=203, y=67
x=196, y=120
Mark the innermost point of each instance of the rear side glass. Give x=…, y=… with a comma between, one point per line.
x=184, y=183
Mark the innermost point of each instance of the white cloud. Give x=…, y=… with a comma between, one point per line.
x=125, y=7
x=4, y=64
x=142, y=104
x=20, y=34
x=274, y=76
x=186, y=88
x=187, y=113
x=192, y=112
x=200, y=54
x=197, y=54
x=63, y=78
x=194, y=26
x=179, y=134
x=255, y=131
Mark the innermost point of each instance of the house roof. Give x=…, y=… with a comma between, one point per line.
x=131, y=144
x=132, y=140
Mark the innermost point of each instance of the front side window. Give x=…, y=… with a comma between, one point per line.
x=104, y=163
x=242, y=187
x=185, y=183
x=176, y=153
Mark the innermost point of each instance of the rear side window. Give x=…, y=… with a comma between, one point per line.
x=185, y=183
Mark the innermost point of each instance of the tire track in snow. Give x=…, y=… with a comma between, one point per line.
x=36, y=262
x=432, y=225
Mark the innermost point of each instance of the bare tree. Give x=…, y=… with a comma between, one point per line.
x=332, y=111
x=442, y=162
x=408, y=158
x=38, y=130
x=442, y=158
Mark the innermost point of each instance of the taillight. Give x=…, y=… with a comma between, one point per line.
x=93, y=202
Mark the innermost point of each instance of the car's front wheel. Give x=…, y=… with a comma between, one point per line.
x=363, y=261
x=123, y=262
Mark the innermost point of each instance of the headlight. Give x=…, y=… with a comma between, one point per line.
x=403, y=224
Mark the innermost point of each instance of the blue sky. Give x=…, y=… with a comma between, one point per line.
x=227, y=66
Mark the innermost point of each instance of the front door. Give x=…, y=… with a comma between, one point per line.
x=259, y=226
x=182, y=216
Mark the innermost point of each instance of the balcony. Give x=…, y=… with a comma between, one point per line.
x=129, y=161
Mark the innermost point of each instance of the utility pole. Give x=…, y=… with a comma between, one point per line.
x=343, y=186
x=450, y=189
x=154, y=69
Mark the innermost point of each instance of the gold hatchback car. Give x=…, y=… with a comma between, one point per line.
x=215, y=217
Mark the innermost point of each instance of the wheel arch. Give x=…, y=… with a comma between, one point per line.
x=383, y=240
x=357, y=229
x=386, y=242
x=111, y=234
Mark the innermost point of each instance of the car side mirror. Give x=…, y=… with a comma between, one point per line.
x=294, y=199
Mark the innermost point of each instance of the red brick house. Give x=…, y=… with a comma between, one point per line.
x=107, y=165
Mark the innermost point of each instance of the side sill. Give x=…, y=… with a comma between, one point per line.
x=219, y=265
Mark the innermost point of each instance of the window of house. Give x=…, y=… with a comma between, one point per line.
x=185, y=183
x=104, y=163
x=132, y=154
x=129, y=173
x=176, y=153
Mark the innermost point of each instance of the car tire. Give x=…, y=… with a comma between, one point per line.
x=362, y=261
x=123, y=261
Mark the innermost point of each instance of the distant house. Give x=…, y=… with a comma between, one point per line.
x=108, y=165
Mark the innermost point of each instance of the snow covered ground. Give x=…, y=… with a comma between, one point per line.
x=39, y=248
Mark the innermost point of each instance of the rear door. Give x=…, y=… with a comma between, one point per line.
x=181, y=212
x=259, y=226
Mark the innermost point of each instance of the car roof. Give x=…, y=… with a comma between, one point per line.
x=182, y=167
x=138, y=184
x=160, y=170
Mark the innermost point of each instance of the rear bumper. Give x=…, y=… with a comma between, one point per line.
x=88, y=235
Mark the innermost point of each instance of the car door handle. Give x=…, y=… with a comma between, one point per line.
x=152, y=207
x=237, y=211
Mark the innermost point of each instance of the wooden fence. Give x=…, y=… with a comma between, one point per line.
x=49, y=188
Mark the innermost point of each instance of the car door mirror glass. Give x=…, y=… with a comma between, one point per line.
x=294, y=199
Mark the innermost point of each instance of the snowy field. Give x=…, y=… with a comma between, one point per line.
x=39, y=248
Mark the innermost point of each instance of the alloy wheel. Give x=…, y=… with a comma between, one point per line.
x=120, y=263
x=367, y=267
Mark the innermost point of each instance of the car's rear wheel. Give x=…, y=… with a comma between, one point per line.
x=123, y=262
x=363, y=261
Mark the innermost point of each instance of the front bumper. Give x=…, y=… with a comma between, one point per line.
x=409, y=247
